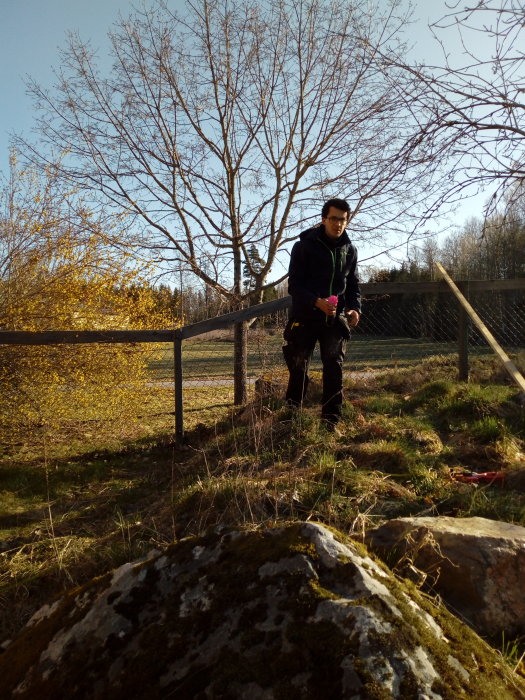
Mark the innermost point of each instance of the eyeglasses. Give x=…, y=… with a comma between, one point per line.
x=337, y=219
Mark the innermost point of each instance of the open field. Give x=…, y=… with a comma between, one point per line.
x=214, y=358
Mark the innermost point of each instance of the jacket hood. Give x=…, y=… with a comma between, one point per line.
x=315, y=231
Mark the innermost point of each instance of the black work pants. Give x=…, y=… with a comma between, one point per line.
x=301, y=337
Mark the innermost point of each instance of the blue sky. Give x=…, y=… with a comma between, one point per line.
x=31, y=32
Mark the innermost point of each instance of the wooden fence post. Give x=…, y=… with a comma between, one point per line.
x=463, y=329
x=177, y=376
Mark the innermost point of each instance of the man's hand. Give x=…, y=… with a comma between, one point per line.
x=352, y=316
x=326, y=306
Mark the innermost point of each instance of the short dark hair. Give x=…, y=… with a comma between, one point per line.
x=340, y=204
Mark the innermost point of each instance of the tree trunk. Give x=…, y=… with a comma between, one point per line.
x=240, y=389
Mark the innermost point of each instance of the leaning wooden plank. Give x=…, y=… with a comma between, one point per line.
x=491, y=340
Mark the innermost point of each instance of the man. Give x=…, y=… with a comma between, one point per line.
x=323, y=264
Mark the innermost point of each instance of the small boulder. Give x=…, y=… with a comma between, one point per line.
x=296, y=612
x=476, y=565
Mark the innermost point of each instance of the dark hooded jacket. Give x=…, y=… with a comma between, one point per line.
x=320, y=267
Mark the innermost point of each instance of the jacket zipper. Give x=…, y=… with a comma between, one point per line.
x=332, y=255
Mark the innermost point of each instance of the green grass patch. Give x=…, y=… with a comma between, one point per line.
x=488, y=430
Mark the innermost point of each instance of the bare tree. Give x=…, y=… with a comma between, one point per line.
x=224, y=127
x=473, y=106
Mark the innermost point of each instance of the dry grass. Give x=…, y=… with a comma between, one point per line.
x=70, y=517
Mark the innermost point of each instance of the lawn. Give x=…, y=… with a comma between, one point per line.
x=208, y=358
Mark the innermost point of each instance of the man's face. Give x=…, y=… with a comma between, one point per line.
x=335, y=222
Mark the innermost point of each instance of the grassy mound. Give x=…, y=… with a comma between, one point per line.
x=406, y=435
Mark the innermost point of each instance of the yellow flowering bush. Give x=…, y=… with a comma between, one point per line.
x=58, y=271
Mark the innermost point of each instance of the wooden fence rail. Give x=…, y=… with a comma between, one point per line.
x=177, y=336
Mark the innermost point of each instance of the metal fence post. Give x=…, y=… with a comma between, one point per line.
x=177, y=376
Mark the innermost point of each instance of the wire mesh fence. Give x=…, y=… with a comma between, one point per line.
x=397, y=330
x=389, y=335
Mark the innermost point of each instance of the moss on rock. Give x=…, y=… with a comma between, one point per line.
x=297, y=611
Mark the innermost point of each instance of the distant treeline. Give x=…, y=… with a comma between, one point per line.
x=489, y=251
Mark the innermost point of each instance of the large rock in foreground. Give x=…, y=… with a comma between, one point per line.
x=476, y=565
x=286, y=613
